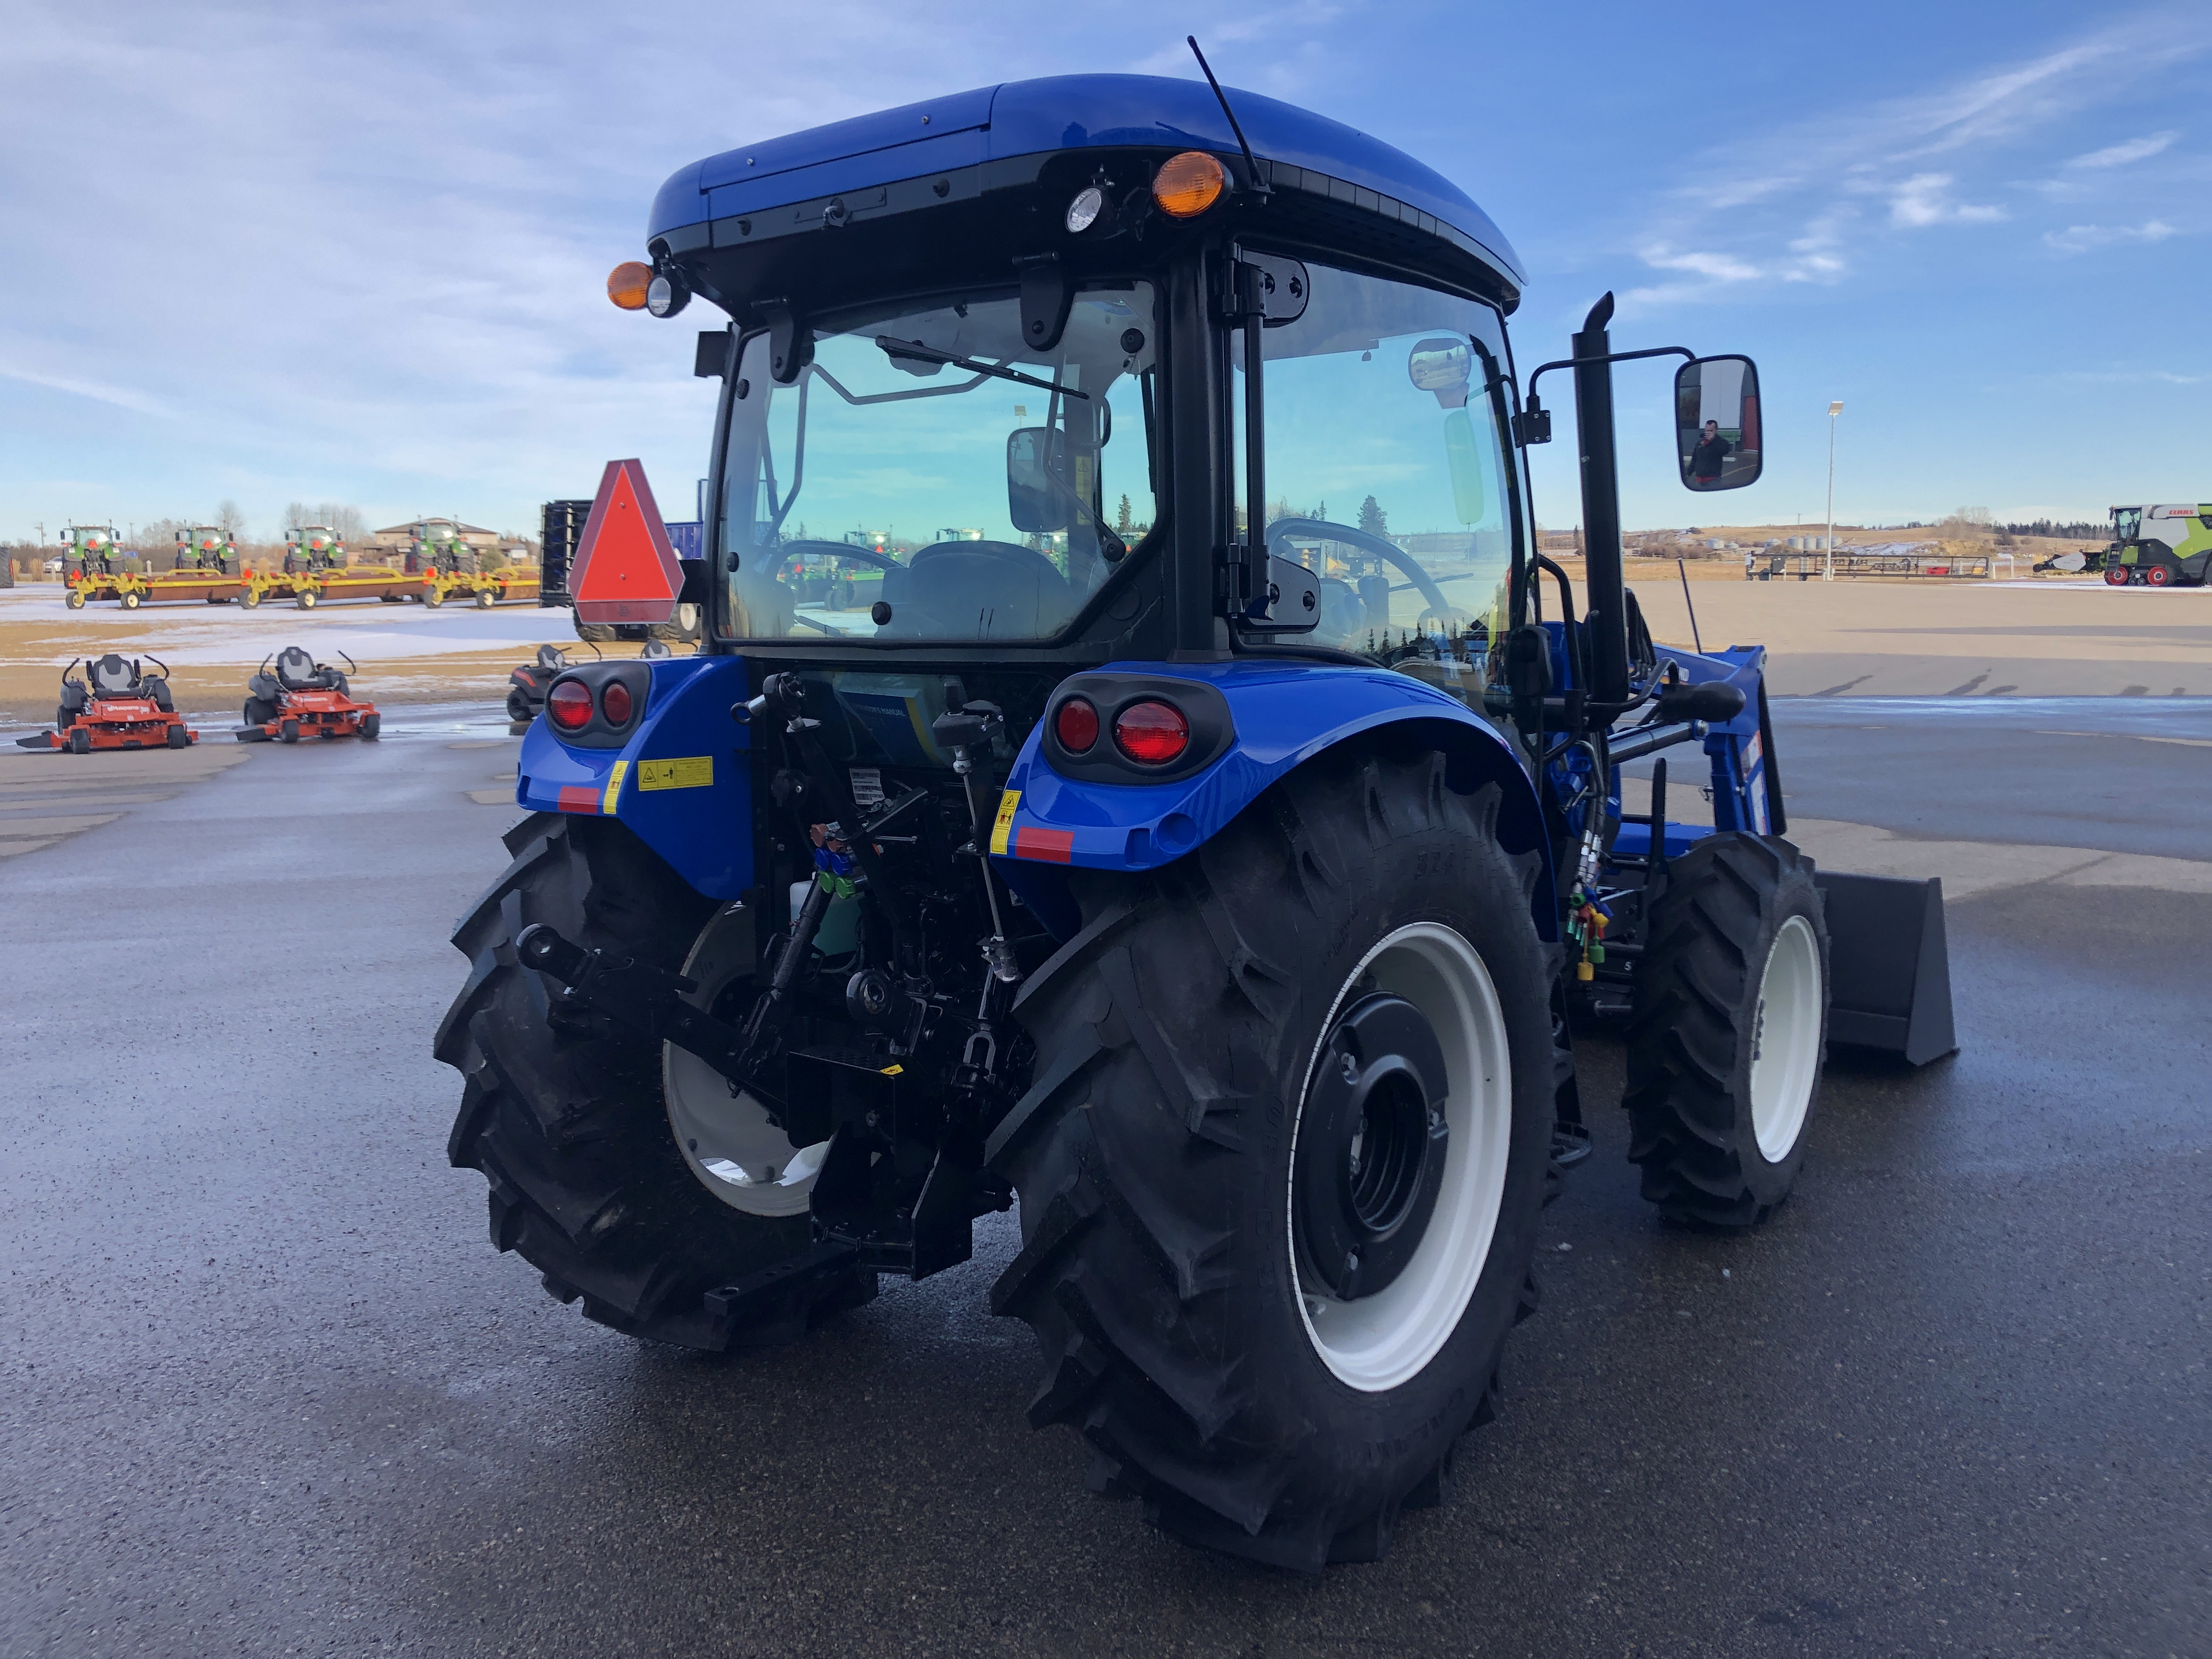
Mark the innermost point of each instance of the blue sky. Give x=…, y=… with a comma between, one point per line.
x=356, y=253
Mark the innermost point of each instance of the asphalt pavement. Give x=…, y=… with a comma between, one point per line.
x=266, y=1388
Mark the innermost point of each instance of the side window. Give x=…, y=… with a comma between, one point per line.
x=1385, y=463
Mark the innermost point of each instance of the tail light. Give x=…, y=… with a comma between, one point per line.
x=1075, y=725
x=569, y=705
x=615, y=703
x=1151, y=733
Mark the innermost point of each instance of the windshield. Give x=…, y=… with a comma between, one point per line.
x=1385, y=464
x=929, y=477
x=2127, y=521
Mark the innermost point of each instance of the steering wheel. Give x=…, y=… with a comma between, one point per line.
x=1381, y=546
x=812, y=550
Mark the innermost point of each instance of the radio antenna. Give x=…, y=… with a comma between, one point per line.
x=1251, y=163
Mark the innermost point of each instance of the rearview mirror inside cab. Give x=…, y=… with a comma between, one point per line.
x=1037, y=462
x=1717, y=422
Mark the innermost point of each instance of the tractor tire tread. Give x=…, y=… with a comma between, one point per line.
x=565, y=1118
x=1126, y=1156
x=1688, y=1112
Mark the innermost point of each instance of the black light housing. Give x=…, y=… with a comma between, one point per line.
x=666, y=294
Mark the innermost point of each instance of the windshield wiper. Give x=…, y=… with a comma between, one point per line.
x=928, y=354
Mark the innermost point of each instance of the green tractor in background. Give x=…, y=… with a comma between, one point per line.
x=2164, y=546
x=206, y=547
x=313, y=547
x=89, y=567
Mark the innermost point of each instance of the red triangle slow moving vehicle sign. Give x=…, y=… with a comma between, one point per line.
x=625, y=571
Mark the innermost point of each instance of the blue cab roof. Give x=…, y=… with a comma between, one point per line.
x=1063, y=112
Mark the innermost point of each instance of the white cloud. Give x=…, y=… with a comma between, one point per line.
x=2079, y=238
x=2117, y=155
x=1922, y=200
x=77, y=386
x=1718, y=267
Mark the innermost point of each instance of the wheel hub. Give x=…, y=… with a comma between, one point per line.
x=1372, y=1146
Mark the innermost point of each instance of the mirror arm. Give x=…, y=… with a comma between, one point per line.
x=1605, y=607
x=1683, y=352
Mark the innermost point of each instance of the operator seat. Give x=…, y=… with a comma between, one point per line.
x=298, y=672
x=976, y=591
x=113, y=676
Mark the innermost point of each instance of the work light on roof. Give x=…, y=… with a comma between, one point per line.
x=666, y=295
x=1083, y=212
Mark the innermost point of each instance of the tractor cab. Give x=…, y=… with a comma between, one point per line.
x=313, y=547
x=91, y=547
x=205, y=547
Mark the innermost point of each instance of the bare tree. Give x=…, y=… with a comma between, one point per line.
x=231, y=517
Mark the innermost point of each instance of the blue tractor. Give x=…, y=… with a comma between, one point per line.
x=1212, y=849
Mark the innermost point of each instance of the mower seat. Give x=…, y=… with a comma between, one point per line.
x=298, y=672
x=113, y=675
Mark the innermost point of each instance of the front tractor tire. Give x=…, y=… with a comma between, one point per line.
x=1731, y=1024
x=1280, y=1171
x=570, y=1119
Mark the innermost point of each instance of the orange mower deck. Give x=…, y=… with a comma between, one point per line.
x=122, y=707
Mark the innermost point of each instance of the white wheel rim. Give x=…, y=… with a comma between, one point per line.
x=1377, y=1342
x=738, y=1156
x=1785, y=1055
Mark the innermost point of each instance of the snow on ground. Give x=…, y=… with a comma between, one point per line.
x=187, y=635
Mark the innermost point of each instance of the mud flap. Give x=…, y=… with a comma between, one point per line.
x=1889, y=967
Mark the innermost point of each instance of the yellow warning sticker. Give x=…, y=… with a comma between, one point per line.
x=1003, y=826
x=893, y=1071
x=692, y=772
x=614, y=787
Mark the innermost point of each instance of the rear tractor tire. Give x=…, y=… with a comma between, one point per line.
x=622, y=1170
x=1280, y=1171
x=256, y=711
x=1730, y=1029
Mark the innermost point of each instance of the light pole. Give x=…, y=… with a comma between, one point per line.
x=1834, y=409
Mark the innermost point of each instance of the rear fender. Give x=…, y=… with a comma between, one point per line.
x=682, y=782
x=1284, y=714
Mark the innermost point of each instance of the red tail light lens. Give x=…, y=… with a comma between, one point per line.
x=615, y=703
x=1151, y=733
x=1076, y=725
x=569, y=705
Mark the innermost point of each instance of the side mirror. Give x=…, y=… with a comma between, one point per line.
x=1036, y=455
x=1717, y=424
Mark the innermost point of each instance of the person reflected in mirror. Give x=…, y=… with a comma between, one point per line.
x=1706, y=459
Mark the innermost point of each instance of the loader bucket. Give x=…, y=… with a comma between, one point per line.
x=1889, y=967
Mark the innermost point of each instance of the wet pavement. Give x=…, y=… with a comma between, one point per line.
x=266, y=1389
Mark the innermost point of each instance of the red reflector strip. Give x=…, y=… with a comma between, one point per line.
x=1048, y=846
x=575, y=798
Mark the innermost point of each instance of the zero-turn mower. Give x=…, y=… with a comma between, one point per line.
x=118, y=706
x=303, y=698
x=527, y=685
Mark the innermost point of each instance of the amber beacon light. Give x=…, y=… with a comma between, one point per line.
x=627, y=283
x=1189, y=183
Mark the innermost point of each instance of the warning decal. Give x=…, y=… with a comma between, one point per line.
x=625, y=570
x=1004, y=823
x=693, y=772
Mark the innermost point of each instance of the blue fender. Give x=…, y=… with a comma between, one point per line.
x=682, y=781
x=1285, y=713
